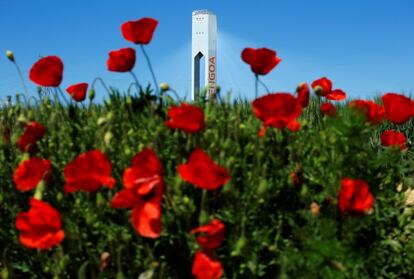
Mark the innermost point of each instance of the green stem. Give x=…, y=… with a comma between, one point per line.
x=26, y=92
x=136, y=81
x=151, y=70
x=264, y=85
x=202, y=218
x=63, y=95
x=102, y=83
x=256, y=86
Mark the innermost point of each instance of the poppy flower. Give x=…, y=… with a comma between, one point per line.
x=303, y=94
x=261, y=60
x=47, y=71
x=121, y=60
x=336, y=95
x=206, y=266
x=144, y=187
x=30, y=172
x=354, y=197
x=33, y=132
x=186, y=117
x=328, y=109
x=373, y=112
x=88, y=172
x=212, y=234
x=393, y=138
x=139, y=31
x=279, y=110
x=78, y=91
x=201, y=171
x=322, y=86
x=40, y=227
x=398, y=108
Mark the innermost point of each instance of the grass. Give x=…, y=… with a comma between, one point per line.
x=270, y=230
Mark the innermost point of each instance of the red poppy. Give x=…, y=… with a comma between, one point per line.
x=393, y=138
x=322, y=86
x=373, y=112
x=144, y=187
x=88, y=172
x=295, y=176
x=33, y=132
x=40, y=227
x=336, y=95
x=303, y=94
x=328, y=109
x=78, y=91
x=201, y=171
x=261, y=60
x=206, y=266
x=30, y=172
x=186, y=117
x=212, y=234
x=354, y=197
x=398, y=108
x=139, y=31
x=279, y=110
x=121, y=60
x=47, y=71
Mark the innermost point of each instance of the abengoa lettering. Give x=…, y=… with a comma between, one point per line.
x=212, y=75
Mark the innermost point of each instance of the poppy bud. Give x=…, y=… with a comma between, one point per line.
x=91, y=94
x=39, y=190
x=101, y=121
x=10, y=55
x=59, y=197
x=128, y=100
x=128, y=151
x=164, y=86
x=262, y=187
x=186, y=200
x=22, y=120
x=315, y=209
x=110, y=115
x=108, y=137
x=409, y=197
x=100, y=200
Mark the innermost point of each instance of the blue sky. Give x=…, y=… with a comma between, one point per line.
x=365, y=47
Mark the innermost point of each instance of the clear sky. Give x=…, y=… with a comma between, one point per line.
x=365, y=47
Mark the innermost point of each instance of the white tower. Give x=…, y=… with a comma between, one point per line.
x=204, y=45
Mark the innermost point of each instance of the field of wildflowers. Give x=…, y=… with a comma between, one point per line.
x=149, y=186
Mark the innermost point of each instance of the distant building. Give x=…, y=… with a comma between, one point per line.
x=204, y=44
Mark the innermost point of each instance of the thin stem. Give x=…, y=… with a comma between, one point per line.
x=136, y=81
x=63, y=96
x=26, y=92
x=102, y=83
x=256, y=85
x=175, y=94
x=151, y=70
x=203, y=209
x=264, y=85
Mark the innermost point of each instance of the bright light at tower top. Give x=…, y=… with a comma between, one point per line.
x=202, y=12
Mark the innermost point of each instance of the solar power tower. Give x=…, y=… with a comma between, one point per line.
x=204, y=44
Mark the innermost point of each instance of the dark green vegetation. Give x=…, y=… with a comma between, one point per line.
x=270, y=229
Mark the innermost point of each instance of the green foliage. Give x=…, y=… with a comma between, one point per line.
x=271, y=231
